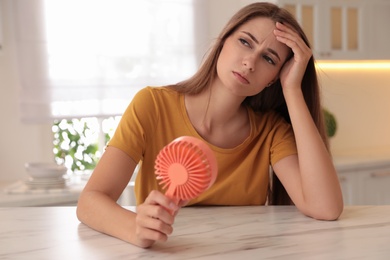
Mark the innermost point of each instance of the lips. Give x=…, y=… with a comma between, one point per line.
x=240, y=78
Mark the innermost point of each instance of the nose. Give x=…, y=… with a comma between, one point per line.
x=249, y=62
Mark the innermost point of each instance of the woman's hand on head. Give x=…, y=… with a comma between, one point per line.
x=293, y=70
x=155, y=218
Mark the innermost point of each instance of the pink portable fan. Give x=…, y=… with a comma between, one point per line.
x=186, y=167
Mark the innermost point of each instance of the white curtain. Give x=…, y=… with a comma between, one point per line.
x=81, y=58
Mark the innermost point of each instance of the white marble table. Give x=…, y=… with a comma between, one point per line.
x=257, y=232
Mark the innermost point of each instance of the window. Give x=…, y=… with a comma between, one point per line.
x=79, y=143
x=81, y=62
x=87, y=58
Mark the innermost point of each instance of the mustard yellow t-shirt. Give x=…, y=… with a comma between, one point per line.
x=157, y=115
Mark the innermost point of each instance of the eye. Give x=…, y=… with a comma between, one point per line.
x=244, y=42
x=269, y=60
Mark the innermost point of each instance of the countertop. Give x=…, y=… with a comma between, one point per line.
x=40, y=197
x=251, y=232
x=16, y=194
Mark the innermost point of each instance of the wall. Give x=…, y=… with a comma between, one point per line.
x=19, y=143
x=359, y=98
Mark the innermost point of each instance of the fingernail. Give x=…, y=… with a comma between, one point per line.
x=173, y=206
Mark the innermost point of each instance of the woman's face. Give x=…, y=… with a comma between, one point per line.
x=251, y=57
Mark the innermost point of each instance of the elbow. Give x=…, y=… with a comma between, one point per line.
x=81, y=209
x=337, y=211
x=330, y=213
x=79, y=212
x=329, y=208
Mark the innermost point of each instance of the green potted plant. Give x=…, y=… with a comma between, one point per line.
x=330, y=122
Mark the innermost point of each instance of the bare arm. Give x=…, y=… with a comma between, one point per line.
x=310, y=177
x=98, y=209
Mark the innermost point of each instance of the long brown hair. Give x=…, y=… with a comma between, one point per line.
x=270, y=98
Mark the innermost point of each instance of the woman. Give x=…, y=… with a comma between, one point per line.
x=255, y=102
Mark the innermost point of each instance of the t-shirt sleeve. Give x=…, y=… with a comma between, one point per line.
x=131, y=135
x=283, y=143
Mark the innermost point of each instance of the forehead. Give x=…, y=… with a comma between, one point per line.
x=263, y=25
x=262, y=29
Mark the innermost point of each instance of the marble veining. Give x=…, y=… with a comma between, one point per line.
x=253, y=232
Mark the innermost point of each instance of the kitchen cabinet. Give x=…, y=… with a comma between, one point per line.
x=343, y=29
x=349, y=186
x=375, y=185
x=377, y=35
x=365, y=183
x=334, y=28
x=1, y=30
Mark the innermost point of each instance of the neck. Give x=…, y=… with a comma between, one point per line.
x=214, y=107
x=218, y=117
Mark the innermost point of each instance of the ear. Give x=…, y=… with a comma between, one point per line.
x=275, y=79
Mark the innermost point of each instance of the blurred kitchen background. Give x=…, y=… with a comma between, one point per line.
x=73, y=59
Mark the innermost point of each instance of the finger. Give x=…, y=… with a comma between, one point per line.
x=157, y=225
x=287, y=32
x=147, y=236
x=153, y=225
x=286, y=27
x=292, y=39
x=183, y=203
x=295, y=43
x=157, y=198
x=155, y=212
x=300, y=54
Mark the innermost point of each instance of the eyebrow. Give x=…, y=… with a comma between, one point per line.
x=256, y=41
